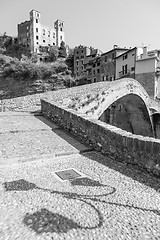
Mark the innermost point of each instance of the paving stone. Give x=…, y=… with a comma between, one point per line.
x=110, y=201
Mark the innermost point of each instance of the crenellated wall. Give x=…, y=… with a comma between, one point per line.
x=109, y=140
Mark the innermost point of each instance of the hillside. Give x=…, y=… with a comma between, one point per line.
x=20, y=78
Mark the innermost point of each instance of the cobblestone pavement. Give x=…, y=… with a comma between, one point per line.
x=24, y=137
x=111, y=200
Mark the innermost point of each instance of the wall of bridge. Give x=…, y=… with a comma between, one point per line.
x=109, y=140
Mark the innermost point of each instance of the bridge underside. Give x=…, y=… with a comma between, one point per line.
x=129, y=113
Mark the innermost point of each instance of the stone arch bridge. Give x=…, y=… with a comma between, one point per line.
x=110, y=116
x=123, y=103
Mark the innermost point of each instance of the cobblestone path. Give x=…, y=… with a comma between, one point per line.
x=110, y=201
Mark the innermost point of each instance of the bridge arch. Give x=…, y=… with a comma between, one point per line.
x=121, y=92
x=119, y=89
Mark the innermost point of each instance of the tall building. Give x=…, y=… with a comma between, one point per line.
x=82, y=57
x=34, y=35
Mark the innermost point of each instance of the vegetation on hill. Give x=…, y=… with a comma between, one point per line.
x=22, y=73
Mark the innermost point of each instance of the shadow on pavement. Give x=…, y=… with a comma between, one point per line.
x=44, y=221
x=70, y=138
x=129, y=170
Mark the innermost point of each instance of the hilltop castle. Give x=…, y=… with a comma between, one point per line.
x=33, y=34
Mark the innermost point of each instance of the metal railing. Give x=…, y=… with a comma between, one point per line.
x=124, y=74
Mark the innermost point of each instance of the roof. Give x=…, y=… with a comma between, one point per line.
x=114, y=49
x=126, y=52
x=34, y=10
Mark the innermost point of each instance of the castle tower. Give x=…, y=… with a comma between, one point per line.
x=35, y=30
x=59, y=27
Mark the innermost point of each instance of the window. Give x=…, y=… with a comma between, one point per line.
x=44, y=41
x=49, y=33
x=36, y=29
x=94, y=72
x=53, y=43
x=37, y=43
x=105, y=58
x=125, y=56
x=82, y=62
x=133, y=68
x=82, y=50
x=123, y=70
x=38, y=15
x=94, y=79
x=43, y=31
x=37, y=37
x=98, y=64
x=53, y=35
x=112, y=55
x=98, y=71
x=61, y=29
x=49, y=45
x=36, y=20
x=94, y=65
x=61, y=37
x=77, y=52
x=126, y=69
x=77, y=62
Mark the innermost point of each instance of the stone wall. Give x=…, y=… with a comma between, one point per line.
x=109, y=140
x=147, y=80
x=25, y=103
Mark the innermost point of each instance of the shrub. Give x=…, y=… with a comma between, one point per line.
x=59, y=66
x=62, y=50
x=26, y=69
x=68, y=81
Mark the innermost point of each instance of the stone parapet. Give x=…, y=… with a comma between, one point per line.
x=109, y=140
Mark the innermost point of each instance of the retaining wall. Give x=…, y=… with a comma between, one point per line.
x=109, y=140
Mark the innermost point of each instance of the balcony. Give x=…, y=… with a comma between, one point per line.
x=124, y=73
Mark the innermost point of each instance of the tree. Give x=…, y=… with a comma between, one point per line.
x=62, y=50
x=53, y=53
x=34, y=58
x=81, y=80
x=70, y=61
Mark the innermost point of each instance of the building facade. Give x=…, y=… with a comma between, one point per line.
x=83, y=56
x=142, y=65
x=125, y=63
x=34, y=35
x=108, y=63
x=146, y=69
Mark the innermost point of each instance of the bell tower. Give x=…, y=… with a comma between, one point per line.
x=35, y=30
x=59, y=27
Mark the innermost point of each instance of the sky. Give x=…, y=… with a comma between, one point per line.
x=97, y=23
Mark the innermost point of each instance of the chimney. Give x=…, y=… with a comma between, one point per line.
x=115, y=46
x=145, y=52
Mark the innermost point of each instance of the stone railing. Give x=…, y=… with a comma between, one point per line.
x=109, y=140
